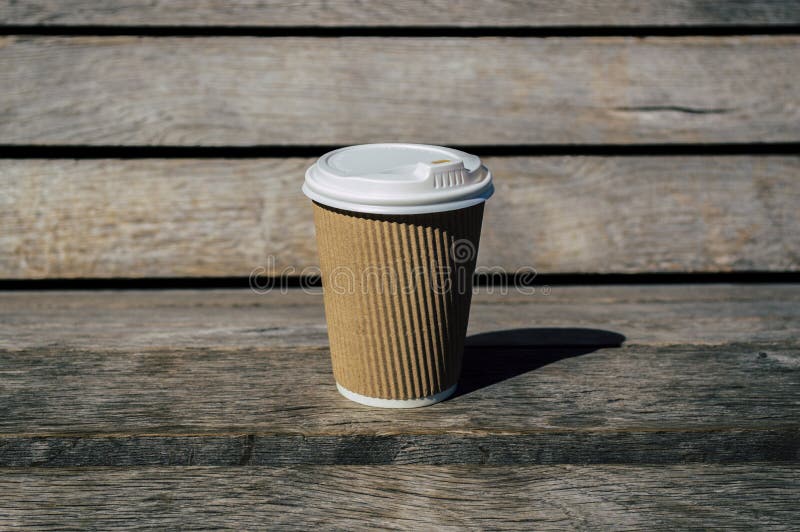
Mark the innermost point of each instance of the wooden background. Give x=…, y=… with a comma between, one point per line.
x=169, y=139
x=161, y=142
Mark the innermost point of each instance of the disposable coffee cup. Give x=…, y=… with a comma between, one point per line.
x=398, y=228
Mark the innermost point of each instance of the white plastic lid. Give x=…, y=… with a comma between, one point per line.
x=398, y=179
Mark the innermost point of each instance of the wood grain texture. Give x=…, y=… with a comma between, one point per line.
x=513, y=13
x=232, y=217
x=404, y=497
x=535, y=394
x=311, y=91
x=653, y=315
x=577, y=404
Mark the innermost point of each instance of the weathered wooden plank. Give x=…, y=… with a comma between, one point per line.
x=559, y=447
x=510, y=13
x=680, y=497
x=220, y=378
x=283, y=91
x=272, y=391
x=234, y=377
x=241, y=319
x=218, y=217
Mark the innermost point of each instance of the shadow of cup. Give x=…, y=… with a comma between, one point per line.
x=493, y=357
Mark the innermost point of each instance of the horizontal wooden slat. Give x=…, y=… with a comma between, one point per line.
x=679, y=497
x=322, y=91
x=401, y=13
x=652, y=315
x=525, y=391
x=197, y=383
x=215, y=217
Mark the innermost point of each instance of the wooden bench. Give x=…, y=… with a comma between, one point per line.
x=646, y=165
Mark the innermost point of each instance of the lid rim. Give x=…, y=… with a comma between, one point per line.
x=400, y=209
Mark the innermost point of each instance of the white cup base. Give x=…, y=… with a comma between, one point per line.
x=396, y=403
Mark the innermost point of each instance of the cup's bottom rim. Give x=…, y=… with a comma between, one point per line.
x=396, y=403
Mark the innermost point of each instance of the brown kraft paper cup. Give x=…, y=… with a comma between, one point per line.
x=397, y=291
